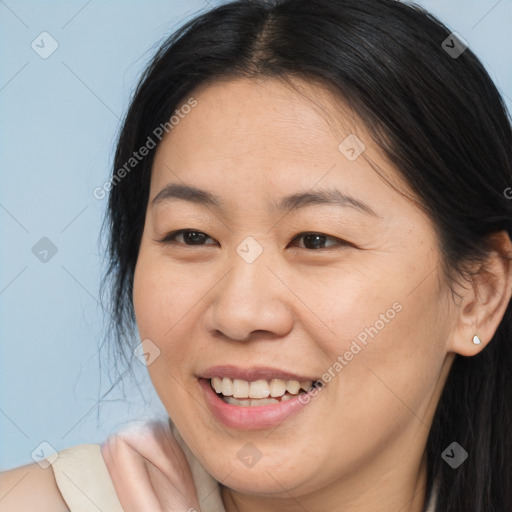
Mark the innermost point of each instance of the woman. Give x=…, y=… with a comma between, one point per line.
x=310, y=229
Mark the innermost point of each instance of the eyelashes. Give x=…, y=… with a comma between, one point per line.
x=169, y=239
x=196, y=238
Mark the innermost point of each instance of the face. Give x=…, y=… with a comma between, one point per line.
x=262, y=294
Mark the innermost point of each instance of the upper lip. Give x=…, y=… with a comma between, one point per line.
x=252, y=374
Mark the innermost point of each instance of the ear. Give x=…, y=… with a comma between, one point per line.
x=485, y=301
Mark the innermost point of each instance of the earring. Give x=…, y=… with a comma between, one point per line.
x=476, y=340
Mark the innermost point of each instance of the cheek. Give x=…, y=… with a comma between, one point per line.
x=386, y=343
x=163, y=297
x=356, y=307
x=390, y=354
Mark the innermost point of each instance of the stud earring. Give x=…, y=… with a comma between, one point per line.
x=476, y=340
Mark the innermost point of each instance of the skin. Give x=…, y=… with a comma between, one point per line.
x=359, y=445
x=28, y=488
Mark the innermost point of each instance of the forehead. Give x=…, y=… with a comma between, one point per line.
x=300, y=114
x=253, y=131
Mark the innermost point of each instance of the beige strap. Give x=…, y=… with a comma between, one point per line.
x=84, y=481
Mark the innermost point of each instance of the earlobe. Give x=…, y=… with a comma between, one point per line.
x=484, y=302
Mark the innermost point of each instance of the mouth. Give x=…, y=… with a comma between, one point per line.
x=244, y=393
x=257, y=398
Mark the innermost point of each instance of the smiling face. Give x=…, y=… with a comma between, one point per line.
x=343, y=287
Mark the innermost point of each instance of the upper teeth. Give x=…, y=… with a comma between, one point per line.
x=239, y=388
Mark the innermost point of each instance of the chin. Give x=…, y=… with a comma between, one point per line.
x=269, y=473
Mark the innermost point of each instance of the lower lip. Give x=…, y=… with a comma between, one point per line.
x=249, y=418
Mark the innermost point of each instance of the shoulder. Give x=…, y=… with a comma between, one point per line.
x=30, y=488
x=76, y=479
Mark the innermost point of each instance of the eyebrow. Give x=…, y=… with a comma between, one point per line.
x=292, y=202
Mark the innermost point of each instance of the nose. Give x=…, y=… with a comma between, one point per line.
x=250, y=300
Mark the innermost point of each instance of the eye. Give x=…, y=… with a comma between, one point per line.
x=189, y=236
x=317, y=240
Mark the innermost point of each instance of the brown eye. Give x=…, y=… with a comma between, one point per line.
x=189, y=237
x=317, y=240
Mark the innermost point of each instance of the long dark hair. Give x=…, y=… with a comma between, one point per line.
x=440, y=120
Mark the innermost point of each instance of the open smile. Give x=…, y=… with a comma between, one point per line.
x=257, y=403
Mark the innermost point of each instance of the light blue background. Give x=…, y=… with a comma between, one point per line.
x=59, y=119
